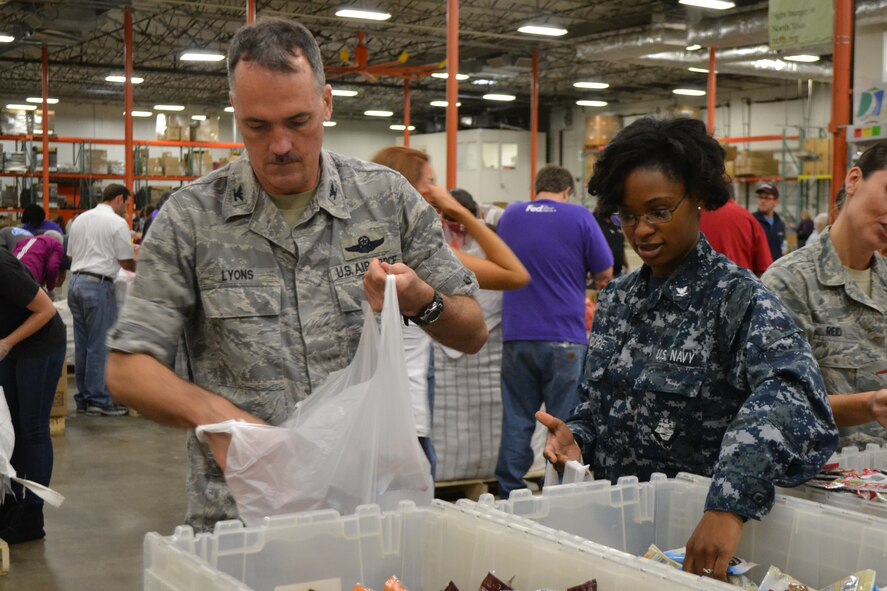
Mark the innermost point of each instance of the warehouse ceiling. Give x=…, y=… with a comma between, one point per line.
x=638, y=47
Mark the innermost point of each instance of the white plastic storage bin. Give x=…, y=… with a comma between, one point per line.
x=873, y=456
x=424, y=547
x=815, y=543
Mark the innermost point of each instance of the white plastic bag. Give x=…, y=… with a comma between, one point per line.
x=352, y=442
x=7, y=472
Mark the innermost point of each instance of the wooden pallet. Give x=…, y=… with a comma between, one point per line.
x=56, y=426
x=4, y=558
x=474, y=488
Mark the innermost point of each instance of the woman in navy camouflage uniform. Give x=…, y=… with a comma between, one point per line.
x=693, y=365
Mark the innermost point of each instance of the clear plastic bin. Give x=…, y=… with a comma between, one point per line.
x=425, y=547
x=815, y=543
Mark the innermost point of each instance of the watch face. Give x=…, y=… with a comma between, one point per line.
x=433, y=311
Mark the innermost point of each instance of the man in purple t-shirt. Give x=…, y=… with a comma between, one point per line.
x=543, y=324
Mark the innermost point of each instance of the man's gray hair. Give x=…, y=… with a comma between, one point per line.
x=272, y=43
x=554, y=179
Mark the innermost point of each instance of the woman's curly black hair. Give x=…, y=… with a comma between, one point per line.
x=679, y=148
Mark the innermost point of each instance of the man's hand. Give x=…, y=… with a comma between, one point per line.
x=413, y=294
x=713, y=544
x=878, y=406
x=219, y=442
x=5, y=348
x=560, y=447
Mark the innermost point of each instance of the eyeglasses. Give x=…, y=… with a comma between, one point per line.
x=653, y=218
x=767, y=196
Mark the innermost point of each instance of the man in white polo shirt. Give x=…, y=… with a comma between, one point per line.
x=99, y=244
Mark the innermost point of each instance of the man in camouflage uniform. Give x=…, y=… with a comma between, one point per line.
x=263, y=265
x=847, y=330
x=706, y=374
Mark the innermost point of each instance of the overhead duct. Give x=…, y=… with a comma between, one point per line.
x=764, y=68
x=871, y=12
x=727, y=55
x=633, y=43
x=745, y=28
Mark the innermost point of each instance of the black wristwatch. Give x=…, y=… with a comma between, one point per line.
x=430, y=313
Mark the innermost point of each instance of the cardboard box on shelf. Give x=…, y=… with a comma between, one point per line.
x=15, y=122
x=819, y=153
x=9, y=197
x=172, y=166
x=600, y=129
x=751, y=163
x=53, y=192
x=37, y=154
x=60, y=402
x=730, y=168
x=15, y=162
x=206, y=130
x=95, y=161
x=154, y=167
x=729, y=152
x=38, y=122
x=175, y=133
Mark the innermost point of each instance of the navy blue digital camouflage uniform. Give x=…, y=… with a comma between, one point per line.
x=706, y=373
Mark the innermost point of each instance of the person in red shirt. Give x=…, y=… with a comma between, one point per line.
x=734, y=232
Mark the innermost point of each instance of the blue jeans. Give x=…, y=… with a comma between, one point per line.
x=29, y=387
x=93, y=305
x=533, y=372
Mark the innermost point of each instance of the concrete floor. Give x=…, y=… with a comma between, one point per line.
x=122, y=477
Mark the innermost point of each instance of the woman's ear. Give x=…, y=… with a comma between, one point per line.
x=852, y=180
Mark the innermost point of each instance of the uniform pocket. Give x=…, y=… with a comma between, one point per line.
x=670, y=413
x=350, y=295
x=243, y=327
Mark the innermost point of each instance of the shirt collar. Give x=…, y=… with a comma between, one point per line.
x=680, y=285
x=830, y=272
x=244, y=191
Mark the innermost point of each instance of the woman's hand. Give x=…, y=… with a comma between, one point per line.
x=443, y=202
x=713, y=544
x=5, y=348
x=560, y=447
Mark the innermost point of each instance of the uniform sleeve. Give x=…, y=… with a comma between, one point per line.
x=600, y=351
x=163, y=293
x=598, y=256
x=424, y=249
x=123, y=243
x=791, y=290
x=785, y=431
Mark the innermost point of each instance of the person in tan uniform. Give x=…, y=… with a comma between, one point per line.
x=264, y=264
x=836, y=288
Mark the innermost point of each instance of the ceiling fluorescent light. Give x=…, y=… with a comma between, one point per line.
x=229, y=109
x=362, y=13
x=694, y=47
x=483, y=82
x=169, y=108
x=499, y=97
x=585, y=103
x=15, y=107
x=329, y=123
x=140, y=113
x=399, y=127
x=592, y=85
x=201, y=56
x=539, y=29
x=198, y=117
x=688, y=92
x=444, y=76
x=801, y=58
x=343, y=92
x=122, y=79
x=378, y=113
x=39, y=100
x=699, y=70
x=713, y=4
x=6, y=38
x=442, y=104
